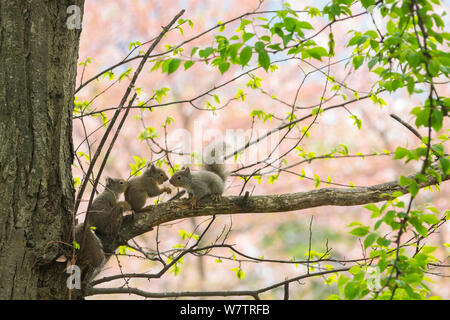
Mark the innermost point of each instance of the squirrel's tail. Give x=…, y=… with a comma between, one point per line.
x=213, y=159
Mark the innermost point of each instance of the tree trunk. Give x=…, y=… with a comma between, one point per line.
x=38, y=59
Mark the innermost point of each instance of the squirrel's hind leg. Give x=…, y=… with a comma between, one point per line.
x=193, y=202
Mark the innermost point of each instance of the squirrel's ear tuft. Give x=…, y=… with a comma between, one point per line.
x=151, y=166
x=187, y=170
x=109, y=180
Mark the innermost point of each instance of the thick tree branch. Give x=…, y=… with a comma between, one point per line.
x=152, y=216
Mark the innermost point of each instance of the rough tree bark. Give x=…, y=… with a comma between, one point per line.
x=38, y=59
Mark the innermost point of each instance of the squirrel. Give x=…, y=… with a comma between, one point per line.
x=91, y=256
x=144, y=186
x=106, y=213
x=208, y=181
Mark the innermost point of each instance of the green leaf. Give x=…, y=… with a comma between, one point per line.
x=148, y=133
x=383, y=242
x=372, y=34
x=110, y=74
x=290, y=24
x=445, y=164
x=391, y=27
x=413, y=188
x=173, y=65
x=430, y=218
x=204, y=53
x=188, y=64
x=400, y=153
x=367, y=3
x=413, y=58
x=304, y=25
x=433, y=67
x=342, y=280
x=419, y=227
x=351, y=290
x=396, y=194
x=317, y=180
x=76, y=245
x=360, y=231
x=244, y=22
x=123, y=249
x=436, y=119
x=372, y=63
x=246, y=55
x=357, y=61
x=223, y=67
x=294, y=50
x=317, y=52
x=342, y=149
x=410, y=85
x=372, y=207
x=239, y=273
x=193, y=51
x=286, y=39
x=358, y=122
x=247, y=36
x=272, y=179
x=259, y=46
x=354, y=223
x=125, y=73
x=264, y=59
x=362, y=40
x=335, y=10
x=355, y=270
x=354, y=40
x=369, y=240
x=331, y=44
x=76, y=182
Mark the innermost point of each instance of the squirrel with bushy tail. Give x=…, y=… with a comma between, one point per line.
x=209, y=181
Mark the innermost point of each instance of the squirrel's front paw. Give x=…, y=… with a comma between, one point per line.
x=167, y=190
x=193, y=203
x=124, y=205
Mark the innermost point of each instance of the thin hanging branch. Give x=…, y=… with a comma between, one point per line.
x=119, y=109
